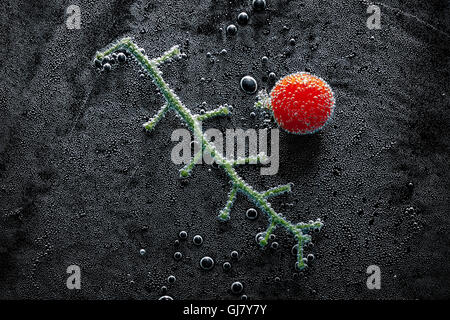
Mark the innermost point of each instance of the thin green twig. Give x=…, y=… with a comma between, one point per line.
x=299, y=231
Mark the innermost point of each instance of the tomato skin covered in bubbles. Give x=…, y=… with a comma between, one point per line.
x=302, y=103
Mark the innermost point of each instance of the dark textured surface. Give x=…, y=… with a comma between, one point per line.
x=81, y=183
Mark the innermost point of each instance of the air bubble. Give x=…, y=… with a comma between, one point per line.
x=231, y=30
x=177, y=255
x=251, y=214
x=107, y=67
x=294, y=250
x=183, y=235
x=197, y=240
x=171, y=279
x=165, y=298
x=97, y=63
x=207, y=263
x=274, y=245
x=121, y=57
x=234, y=254
x=142, y=252
x=248, y=84
x=272, y=76
x=259, y=5
x=226, y=266
x=237, y=287
x=242, y=18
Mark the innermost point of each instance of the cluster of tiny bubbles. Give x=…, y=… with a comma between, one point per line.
x=251, y=214
x=197, y=240
x=142, y=252
x=234, y=255
x=206, y=263
x=183, y=235
x=226, y=266
x=171, y=279
x=259, y=237
x=242, y=18
x=305, y=266
x=231, y=30
x=165, y=298
x=249, y=85
x=106, y=63
x=259, y=5
x=236, y=287
x=177, y=255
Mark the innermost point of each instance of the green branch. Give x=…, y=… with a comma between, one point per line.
x=193, y=122
x=149, y=125
x=221, y=111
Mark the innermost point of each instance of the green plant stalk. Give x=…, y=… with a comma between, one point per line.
x=299, y=230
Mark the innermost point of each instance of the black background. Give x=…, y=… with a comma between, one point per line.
x=81, y=182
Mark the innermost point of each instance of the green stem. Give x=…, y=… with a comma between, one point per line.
x=192, y=121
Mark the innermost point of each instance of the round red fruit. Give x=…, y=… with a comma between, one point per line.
x=302, y=103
